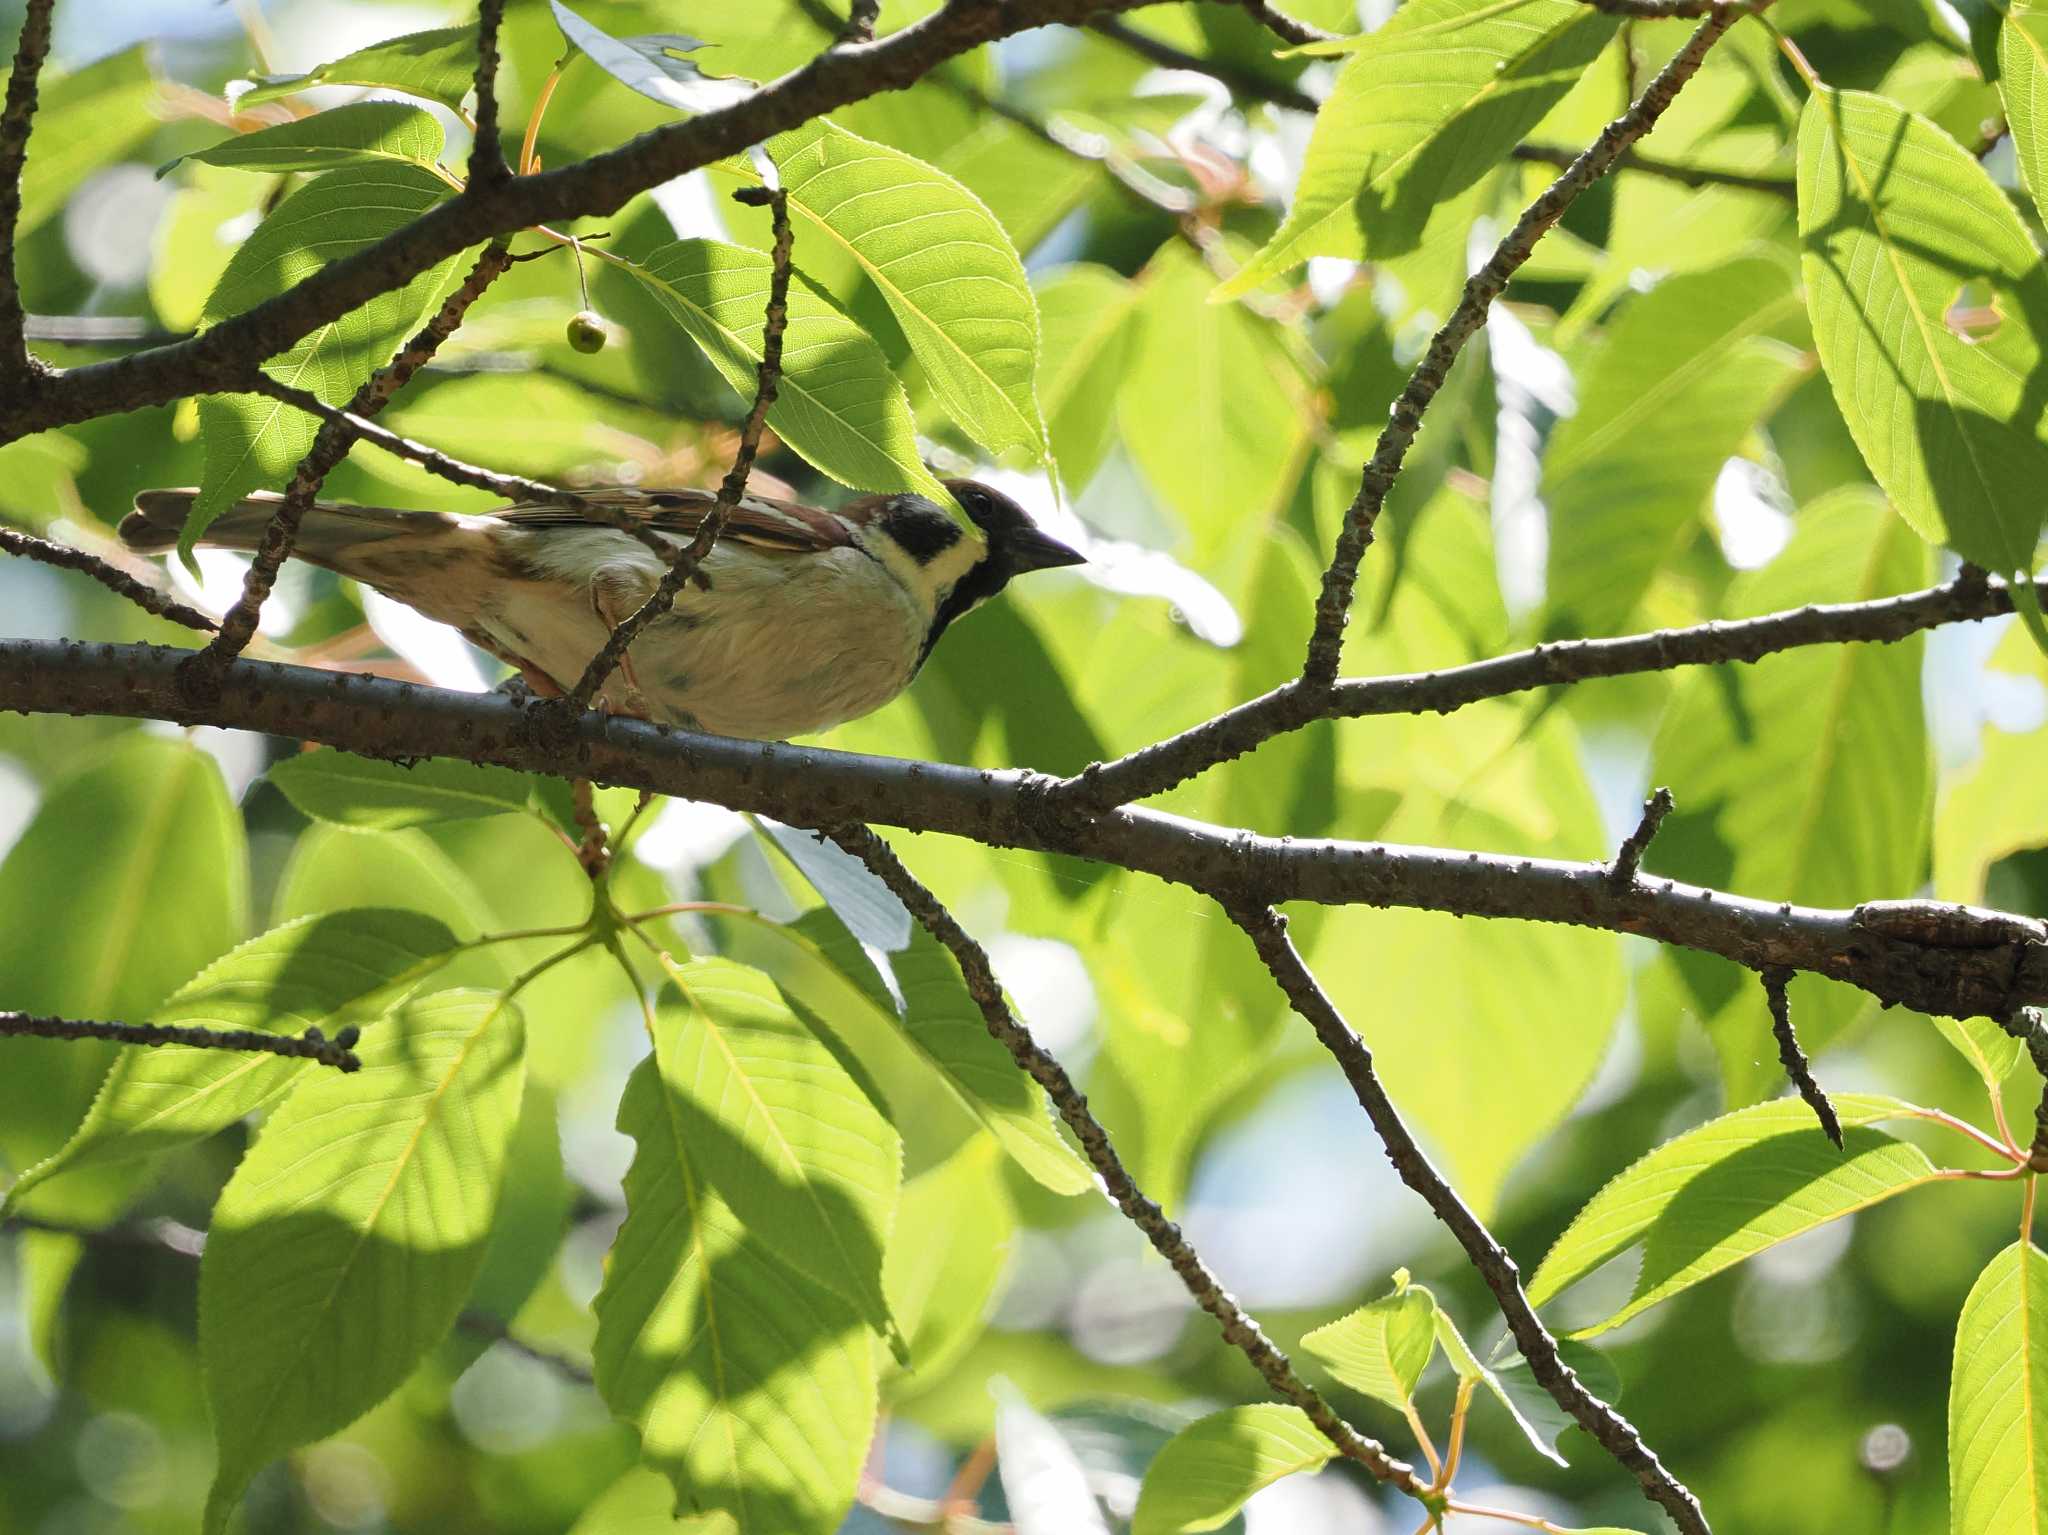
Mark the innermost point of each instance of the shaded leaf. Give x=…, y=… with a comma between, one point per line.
x=868, y=907
x=1424, y=107
x=370, y=795
x=1895, y=219
x=838, y=405
x=1214, y=1464
x=1468, y=1368
x=439, y=65
x=345, y=1244
x=947, y=1253
x=1085, y=311
x=331, y=971
x=365, y=133
x=653, y=65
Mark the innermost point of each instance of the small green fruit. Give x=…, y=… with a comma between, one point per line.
x=587, y=331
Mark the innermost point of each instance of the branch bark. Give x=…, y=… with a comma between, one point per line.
x=64, y=557
x=17, y=116
x=1267, y=930
x=310, y=1046
x=1976, y=963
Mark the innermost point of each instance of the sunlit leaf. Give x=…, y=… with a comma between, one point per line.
x=1424, y=106
x=365, y=133
x=1896, y=221
x=1728, y=1190
x=349, y=1237
x=947, y=1253
x=1381, y=1348
x=752, y=1387
x=838, y=403
x=1085, y=311
x=329, y=972
x=942, y=262
x=439, y=65
x=1997, y=1432
x=1214, y=1464
x=2023, y=75
x=84, y=120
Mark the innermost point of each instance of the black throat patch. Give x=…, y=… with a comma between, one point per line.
x=974, y=588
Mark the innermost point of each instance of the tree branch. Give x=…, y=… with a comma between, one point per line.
x=1161, y=766
x=1284, y=26
x=222, y=357
x=17, y=116
x=1979, y=964
x=64, y=557
x=1797, y=1068
x=1267, y=930
x=486, y=155
x=1628, y=858
x=734, y=486
x=1239, y=1329
x=310, y=1046
x=330, y=447
x=1333, y=603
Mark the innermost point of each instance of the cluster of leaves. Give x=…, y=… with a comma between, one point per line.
x=830, y=1155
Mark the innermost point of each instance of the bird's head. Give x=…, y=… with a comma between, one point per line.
x=1015, y=544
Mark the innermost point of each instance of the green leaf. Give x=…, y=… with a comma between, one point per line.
x=1086, y=312
x=653, y=65
x=84, y=120
x=366, y=133
x=943, y=263
x=254, y=441
x=1727, y=1190
x=439, y=65
x=1468, y=1368
x=347, y=1241
x=349, y=967
x=110, y=936
x=1898, y=226
x=1424, y=107
x=1208, y=1470
x=1827, y=806
x=1997, y=1431
x=868, y=907
x=1044, y=1482
x=780, y=1133
x=1383, y=1347
x=370, y=795
x=2023, y=74
x=946, y=1256
x=1669, y=396
x=1537, y=1408
x=752, y=1386
x=1211, y=405
x=838, y=405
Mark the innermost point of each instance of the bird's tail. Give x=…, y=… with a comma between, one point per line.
x=332, y=534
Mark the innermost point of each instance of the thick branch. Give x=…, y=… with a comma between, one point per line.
x=1978, y=964
x=330, y=447
x=767, y=378
x=64, y=557
x=220, y=358
x=1268, y=932
x=1333, y=603
x=1155, y=769
x=16, y=118
x=309, y=1046
x=1239, y=1329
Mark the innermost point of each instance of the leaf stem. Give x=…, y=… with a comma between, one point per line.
x=527, y=163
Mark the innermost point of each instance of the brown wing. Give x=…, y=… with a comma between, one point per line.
x=763, y=521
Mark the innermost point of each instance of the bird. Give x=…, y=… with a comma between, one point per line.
x=798, y=619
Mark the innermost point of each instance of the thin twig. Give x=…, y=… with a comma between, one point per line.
x=1164, y=764
x=513, y=487
x=1628, y=858
x=1241, y=82
x=1239, y=1329
x=1284, y=26
x=2025, y=1025
x=482, y=1324
x=860, y=21
x=330, y=446
x=1797, y=1068
x=768, y=378
x=1267, y=930
x=1657, y=10
x=486, y=153
x=1665, y=170
x=16, y=118
x=1333, y=602
x=64, y=557
x=310, y=1046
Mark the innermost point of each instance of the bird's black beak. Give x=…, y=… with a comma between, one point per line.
x=1032, y=550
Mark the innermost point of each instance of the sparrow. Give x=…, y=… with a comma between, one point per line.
x=799, y=619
